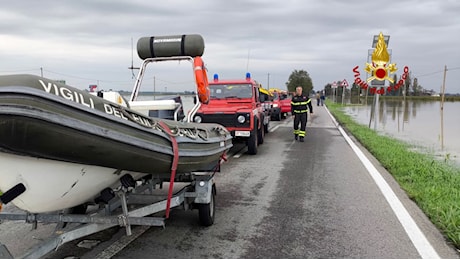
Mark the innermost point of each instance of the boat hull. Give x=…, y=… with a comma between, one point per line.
x=54, y=185
x=57, y=138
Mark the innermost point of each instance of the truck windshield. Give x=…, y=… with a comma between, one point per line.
x=222, y=91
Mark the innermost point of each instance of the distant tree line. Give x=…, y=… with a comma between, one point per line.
x=299, y=78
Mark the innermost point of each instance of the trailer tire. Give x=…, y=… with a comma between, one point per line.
x=206, y=212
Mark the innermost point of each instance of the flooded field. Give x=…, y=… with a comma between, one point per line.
x=417, y=122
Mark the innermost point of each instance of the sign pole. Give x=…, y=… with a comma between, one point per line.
x=344, y=86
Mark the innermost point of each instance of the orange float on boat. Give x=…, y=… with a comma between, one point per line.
x=201, y=79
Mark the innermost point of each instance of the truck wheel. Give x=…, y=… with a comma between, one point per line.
x=278, y=116
x=261, y=135
x=252, y=142
x=206, y=211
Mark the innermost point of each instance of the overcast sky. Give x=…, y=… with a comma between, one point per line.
x=87, y=42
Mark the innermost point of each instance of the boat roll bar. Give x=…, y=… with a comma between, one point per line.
x=140, y=76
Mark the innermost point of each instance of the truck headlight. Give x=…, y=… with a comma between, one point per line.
x=241, y=119
x=275, y=105
x=197, y=119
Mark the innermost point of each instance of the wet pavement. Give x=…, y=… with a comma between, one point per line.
x=293, y=200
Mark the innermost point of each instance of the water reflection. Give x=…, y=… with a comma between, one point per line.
x=417, y=122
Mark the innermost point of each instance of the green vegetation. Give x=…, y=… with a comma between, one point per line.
x=434, y=185
x=299, y=78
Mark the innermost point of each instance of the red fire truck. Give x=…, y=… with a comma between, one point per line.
x=236, y=105
x=281, y=104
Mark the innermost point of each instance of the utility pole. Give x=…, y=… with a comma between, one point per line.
x=41, y=72
x=268, y=80
x=442, y=106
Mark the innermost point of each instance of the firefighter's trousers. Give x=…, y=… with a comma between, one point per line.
x=302, y=119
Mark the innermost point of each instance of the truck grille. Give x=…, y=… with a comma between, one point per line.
x=224, y=119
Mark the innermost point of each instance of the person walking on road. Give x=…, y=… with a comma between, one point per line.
x=318, y=97
x=300, y=105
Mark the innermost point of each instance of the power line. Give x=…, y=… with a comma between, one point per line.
x=112, y=81
x=14, y=71
x=83, y=78
x=436, y=72
x=429, y=74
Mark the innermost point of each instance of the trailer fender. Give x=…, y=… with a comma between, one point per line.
x=203, y=190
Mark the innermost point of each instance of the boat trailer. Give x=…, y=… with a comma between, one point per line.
x=132, y=203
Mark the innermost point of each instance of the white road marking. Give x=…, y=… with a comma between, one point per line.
x=273, y=129
x=420, y=242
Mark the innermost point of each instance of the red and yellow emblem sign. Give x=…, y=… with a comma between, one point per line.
x=380, y=69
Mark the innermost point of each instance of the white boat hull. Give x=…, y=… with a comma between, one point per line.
x=54, y=185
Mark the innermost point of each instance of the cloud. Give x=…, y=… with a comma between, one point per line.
x=86, y=42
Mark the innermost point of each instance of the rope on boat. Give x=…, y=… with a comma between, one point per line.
x=190, y=132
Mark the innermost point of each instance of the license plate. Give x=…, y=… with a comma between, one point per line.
x=242, y=133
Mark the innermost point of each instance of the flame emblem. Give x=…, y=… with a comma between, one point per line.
x=379, y=68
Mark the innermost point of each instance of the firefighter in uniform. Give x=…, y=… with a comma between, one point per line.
x=300, y=105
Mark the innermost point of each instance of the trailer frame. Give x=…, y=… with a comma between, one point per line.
x=130, y=206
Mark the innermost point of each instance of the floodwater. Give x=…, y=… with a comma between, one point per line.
x=419, y=123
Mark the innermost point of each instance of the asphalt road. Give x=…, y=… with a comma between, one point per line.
x=291, y=200
x=294, y=200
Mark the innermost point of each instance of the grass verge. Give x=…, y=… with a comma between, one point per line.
x=434, y=185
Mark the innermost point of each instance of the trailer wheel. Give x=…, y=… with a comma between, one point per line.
x=206, y=211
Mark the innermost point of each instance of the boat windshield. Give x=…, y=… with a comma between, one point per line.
x=223, y=91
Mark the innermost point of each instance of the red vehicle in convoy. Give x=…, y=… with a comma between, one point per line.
x=236, y=104
x=281, y=104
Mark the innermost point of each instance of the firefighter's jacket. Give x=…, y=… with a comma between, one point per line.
x=301, y=104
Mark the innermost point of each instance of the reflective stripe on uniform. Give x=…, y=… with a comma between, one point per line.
x=300, y=103
x=300, y=111
x=300, y=133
